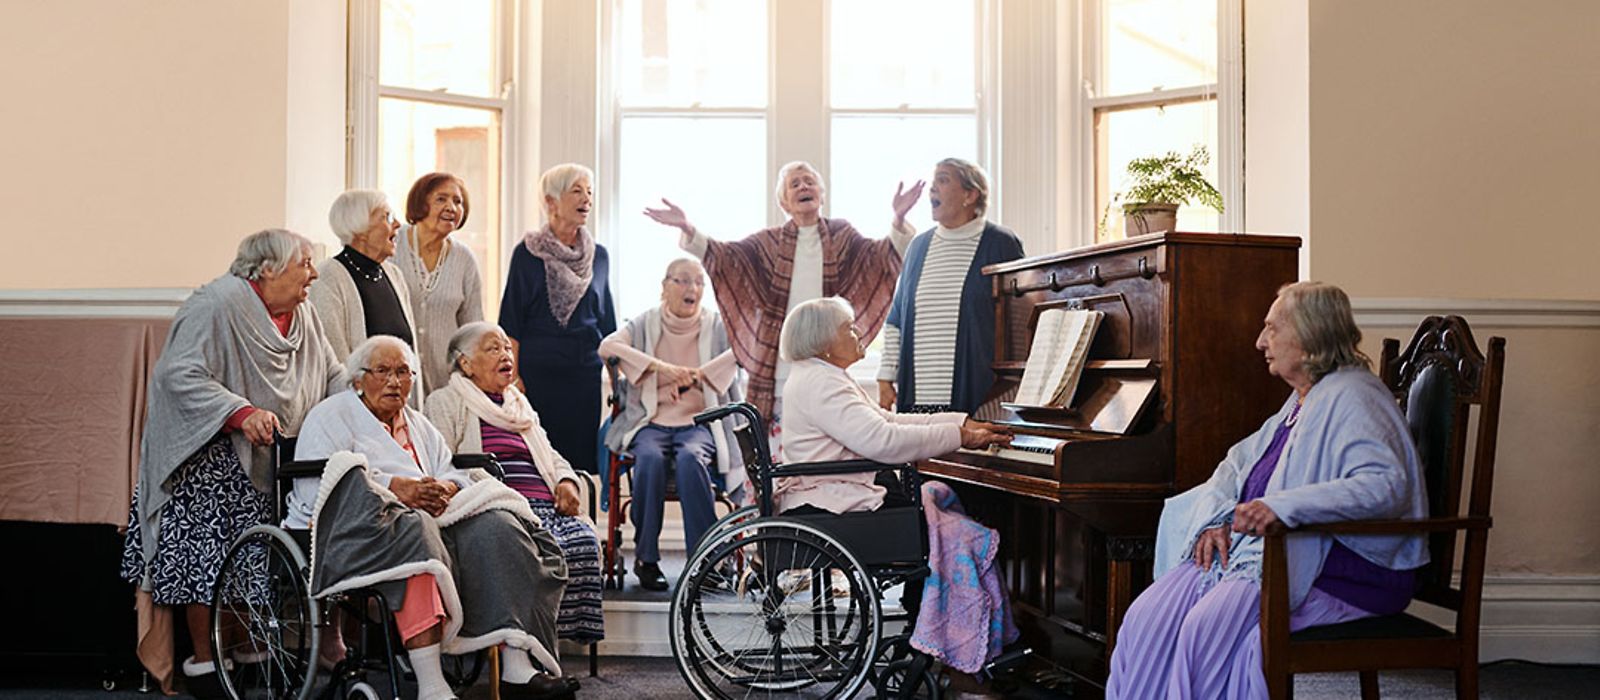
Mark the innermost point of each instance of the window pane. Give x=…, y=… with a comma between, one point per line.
x=415, y=139
x=1158, y=43
x=680, y=53
x=723, y=190
x=1138, y=133
x=431, y=45
x=873, y=154
x=888, y=53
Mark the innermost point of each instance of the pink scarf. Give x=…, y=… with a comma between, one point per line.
x=567, y=271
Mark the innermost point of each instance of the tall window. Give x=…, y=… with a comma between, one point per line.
x=1152, y=88
x=441, y=93
x=692, y=90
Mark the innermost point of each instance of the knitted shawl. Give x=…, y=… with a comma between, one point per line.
x=752, y=278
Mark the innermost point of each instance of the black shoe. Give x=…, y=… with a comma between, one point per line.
x=650, y=576
x=541, y=687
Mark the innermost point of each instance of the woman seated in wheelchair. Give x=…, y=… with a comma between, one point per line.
x=828, y=417
x=1338, y=449
x=480, y=410
x=460, y=558
x=678, y=362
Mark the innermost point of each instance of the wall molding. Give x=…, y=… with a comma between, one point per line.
x=1548, y=619
x=1500, y=313
x=161, y=302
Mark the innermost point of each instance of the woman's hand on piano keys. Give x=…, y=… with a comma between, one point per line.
x=976, y=435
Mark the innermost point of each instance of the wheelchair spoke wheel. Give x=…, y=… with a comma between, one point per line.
x=727, y=522
x=775, y=607
x=263, y=619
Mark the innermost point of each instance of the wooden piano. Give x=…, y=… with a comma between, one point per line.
x=1173, y=380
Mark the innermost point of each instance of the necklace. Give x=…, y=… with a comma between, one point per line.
x=1294, y=416
x=429, y=278
x=373, y=274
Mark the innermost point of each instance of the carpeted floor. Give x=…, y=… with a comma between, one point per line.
x=641, y=678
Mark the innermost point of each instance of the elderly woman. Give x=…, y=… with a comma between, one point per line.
x=678, y=362
x=1338, y=449
x=245, y=357
x=831, y=418
x=938, y=343
x=459, y=557
x=481, y=410
x=761, y=279
x=441, y=276
x=557, y=307
x=359, y=292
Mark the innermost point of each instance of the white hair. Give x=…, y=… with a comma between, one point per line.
x=466, y=339
x=972, y=178
x=351, y=212
x=269, y=249
x=812, y=326
x=356, y=364
x=783, y=180
x=557, y=179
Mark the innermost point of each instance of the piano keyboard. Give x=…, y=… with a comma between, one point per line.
x=1025, y=448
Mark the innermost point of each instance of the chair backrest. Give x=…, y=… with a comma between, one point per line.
x=1438, y=380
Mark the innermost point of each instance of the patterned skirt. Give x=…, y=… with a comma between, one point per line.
x=581, y=619
x=212, y=504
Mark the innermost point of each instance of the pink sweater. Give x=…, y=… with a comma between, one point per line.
x=827, y=417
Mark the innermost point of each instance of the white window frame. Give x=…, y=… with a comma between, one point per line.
x=1228, y=92
x=364, y=93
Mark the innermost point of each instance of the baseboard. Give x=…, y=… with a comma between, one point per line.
x=1548, y=619
x=159, y=302
x=1500, y=313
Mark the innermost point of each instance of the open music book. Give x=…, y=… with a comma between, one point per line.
x=1055, y=361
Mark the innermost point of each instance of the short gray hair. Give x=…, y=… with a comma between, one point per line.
x=557, y=179
x=682, y=262
x=811, y=327
x=1323, y=322
x=351, y=212
x=973, y=179
x=783, y=179
x=356, y=364
x=466, y=339
x=269, y=249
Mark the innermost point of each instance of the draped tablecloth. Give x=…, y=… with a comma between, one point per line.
x=72, y=404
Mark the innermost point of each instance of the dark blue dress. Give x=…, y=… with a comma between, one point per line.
x=560, y=365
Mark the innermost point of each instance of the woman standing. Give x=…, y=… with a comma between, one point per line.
x=245, y=357
x=441, y=277
x=557, y=307
x=360, y=293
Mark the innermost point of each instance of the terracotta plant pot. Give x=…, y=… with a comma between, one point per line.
x=1141, y=218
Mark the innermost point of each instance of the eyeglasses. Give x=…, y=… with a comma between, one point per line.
x=386, y=373
x=684, y=282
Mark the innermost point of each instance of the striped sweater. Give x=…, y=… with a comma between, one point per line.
x=937, y=309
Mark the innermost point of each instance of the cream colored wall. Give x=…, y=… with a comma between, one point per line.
x=141, y=141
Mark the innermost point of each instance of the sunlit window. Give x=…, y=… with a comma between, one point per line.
x=440, y=109
x=1153, y=89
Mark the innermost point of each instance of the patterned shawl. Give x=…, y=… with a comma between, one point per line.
x=567, y=271
x=752, y=277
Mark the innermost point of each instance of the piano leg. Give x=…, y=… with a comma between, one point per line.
x=1128, y=559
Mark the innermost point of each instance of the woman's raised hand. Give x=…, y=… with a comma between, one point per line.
x=1213, y=544
x=904, y=200
x=671, y=216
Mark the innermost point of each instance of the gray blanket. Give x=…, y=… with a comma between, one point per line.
x=223, y=354
x=500, y=573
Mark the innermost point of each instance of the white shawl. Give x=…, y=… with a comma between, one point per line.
x=457, y=408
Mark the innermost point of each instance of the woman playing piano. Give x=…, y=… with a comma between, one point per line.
x=1338, y=449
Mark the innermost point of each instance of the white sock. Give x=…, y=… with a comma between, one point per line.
x=192, y=669
x=515, y=666
x=430, y=675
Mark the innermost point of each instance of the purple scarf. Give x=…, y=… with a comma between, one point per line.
x=567, y=271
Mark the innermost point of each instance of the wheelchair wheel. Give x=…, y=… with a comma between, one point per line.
x=261, y=612
x=738, y=517
x=775, y=606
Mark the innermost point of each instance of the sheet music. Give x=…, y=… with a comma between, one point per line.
x=1060, y=347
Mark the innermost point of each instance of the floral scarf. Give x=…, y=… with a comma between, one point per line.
x=567, y=271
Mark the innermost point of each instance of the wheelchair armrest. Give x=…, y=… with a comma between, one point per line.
x=475, y=460
x=300, y=470
x=849, y=466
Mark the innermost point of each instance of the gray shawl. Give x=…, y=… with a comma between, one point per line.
x=223, y=354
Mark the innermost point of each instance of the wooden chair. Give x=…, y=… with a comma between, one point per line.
x=1438, y=380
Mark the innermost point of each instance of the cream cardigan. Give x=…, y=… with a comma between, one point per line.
x=463, y=434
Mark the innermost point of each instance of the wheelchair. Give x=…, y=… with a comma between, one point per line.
x=791, y=604
x=264, y=618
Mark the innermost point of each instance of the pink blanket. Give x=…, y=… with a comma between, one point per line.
x=965, y=617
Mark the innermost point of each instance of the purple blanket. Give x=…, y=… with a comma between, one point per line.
x=965, y=616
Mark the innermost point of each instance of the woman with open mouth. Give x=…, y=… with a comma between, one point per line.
x=358, y=292
x=441, y=275
x=760, y=279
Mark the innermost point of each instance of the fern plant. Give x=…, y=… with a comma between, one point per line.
x=1171, y=179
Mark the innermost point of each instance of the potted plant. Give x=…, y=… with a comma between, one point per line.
x=1158, y=185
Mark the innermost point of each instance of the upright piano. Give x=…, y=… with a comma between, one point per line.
x=1173, y=380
